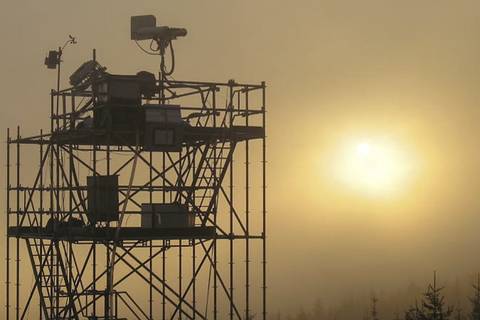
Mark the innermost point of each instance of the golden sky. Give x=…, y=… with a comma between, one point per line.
x=402, y=76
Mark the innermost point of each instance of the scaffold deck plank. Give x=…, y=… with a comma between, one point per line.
x=108, y=233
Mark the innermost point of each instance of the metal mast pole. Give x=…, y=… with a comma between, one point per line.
x=17, y=260
x=247, y=217
x=150, y=251
x=94, y=260
x=7, y=284
x=41, y=216
x=231, y=243
x=264, y=206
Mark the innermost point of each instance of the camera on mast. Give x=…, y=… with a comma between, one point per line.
x=145, y=28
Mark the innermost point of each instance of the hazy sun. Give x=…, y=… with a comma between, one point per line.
x=373, y=166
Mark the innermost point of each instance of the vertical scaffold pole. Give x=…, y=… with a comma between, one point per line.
x=59, y=205
x=51, y=205
x=150, y=251
x=214, y=207
x=231, y=243
x=94, y=259
x=180, y=279
x=108, y=311
x=7, y=283
x=41, y=219
x=247, y=215
x=194, y=298
x=264, y=205
x=180, y=243
x=161, y=99
x=164, y=262
x=70, y=214
x=17, y=260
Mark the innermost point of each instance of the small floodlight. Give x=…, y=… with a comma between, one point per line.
x=55, y=56
x=145, y=28
x=53, y=59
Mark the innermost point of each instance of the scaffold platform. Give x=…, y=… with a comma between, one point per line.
x=109, y=233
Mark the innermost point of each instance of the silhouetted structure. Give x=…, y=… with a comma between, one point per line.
x=141, y=173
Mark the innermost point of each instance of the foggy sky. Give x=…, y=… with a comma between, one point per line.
x=408, y=70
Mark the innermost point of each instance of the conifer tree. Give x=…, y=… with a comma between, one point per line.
x=413, y=313
x=366, y=315
x=302, y=315
x=318, y=310
x=432, y=306
x=374, y=313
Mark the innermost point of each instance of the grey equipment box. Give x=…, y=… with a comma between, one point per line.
x=102, y=195
x=164, y=127
x=117, y=117
x=118, y=89
x=166, y=215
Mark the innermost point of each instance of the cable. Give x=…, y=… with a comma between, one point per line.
x=151, y=47
x=172, y=57
x=145, y=51
x=160, y=51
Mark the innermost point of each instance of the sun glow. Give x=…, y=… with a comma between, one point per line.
x=376, y=167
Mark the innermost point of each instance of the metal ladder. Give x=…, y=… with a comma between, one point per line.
x=209, y=175
x=50, y=275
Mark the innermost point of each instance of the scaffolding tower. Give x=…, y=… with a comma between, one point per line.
x=117, y=225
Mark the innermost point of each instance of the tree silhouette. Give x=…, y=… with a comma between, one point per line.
x=318, y=311
x=301, y=315
x=366, y=315
x=475, y=301
x=432, y=306
x=413, y=313
x=374, y=313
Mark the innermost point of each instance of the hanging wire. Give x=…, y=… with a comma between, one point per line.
x=151, y=46
x=172, y=59
x=158, y=52
x=152, y=53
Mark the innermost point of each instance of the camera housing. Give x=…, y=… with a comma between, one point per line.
x=145, y=28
